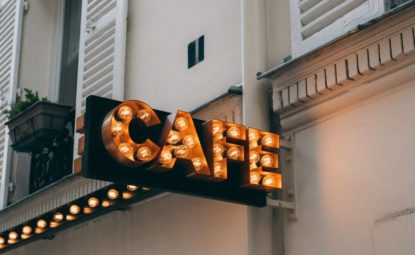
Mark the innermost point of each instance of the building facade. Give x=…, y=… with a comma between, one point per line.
x=335, y=77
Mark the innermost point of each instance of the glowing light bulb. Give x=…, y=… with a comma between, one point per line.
x=13, y=235
x=54, y=224
x=254, y=177
x=197, y=163
x=113, y=194
x=117, y=128
x=181, y=151
x=218, y=169
x=189, y=141
x=165, y=157
x=173, y=137
x=88, y=210
x=58, y=217
x=253, y=136
x=2, y=241
x=127, y=195
x=144, y=153
x=233, y=132
x=125, y=112
x=146, y=189
x=24, y=236
x=74, y=209
x=132, y=187
x=125, y=148
x=233, y=153
x=218, y=149
x=144, y=115
x=268, y=140
x=267, y=161
x=253, y=157
x=42, y=224
x=93, y=202
x=216, y=128
x=106, y=203
x=270, y=181
x=70, y=217
x=27, y=230
x=181, y=123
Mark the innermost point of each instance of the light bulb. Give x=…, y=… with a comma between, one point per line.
x=270, y=181
x=125, y=112
x=144, y=153
x=189, y=141
x=58, y=217
x=216, y=129
x=233, y=132
x=132, y=187
x=42, y=224
x=173, y=137
x=267, y=161
x=217, y=169
x=2, y=240
x=165, y=157
x=181, y=151
x=24, y=236
x=181, y=123
x=253, y=136
x=113, y=194
x=70, y=217
x=144, y=115
x=233, y=153
x=74, y=209
x=93, y=202
x=146, y=189
x=27, y=230
x=268, y=140
x=88, y=210
x=125, y=148
x=254, y=178
x=253, y=157
x=197, y=163
x=13, y=235
x=218, y=149
x=106, y=203
x=117, y=128
x=127, y=195
x=54, y=224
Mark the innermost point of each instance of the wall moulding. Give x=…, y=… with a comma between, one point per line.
x=338, y=68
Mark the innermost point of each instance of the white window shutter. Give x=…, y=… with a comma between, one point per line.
x=316, y=22
x=101, y=50
x=11, y=15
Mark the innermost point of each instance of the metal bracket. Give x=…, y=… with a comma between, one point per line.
x=285, y=199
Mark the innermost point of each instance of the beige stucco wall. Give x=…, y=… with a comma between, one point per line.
x=354, y=169
x=156, y=61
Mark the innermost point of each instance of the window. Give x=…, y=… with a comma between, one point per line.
x=70, y=52
x=196, y=52
x=49, y=66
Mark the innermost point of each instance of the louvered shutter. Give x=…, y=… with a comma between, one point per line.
x=316, y=22
x=11, y=14
x=101, y=50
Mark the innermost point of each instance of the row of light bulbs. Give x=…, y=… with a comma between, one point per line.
x=75, y=210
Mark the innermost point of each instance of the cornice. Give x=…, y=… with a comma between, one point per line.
x=336, y=69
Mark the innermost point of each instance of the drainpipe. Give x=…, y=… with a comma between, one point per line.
x=263, y=236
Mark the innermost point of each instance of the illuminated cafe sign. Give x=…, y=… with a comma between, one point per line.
x=131, y=143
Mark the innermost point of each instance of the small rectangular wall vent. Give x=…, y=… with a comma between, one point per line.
x=196, y=52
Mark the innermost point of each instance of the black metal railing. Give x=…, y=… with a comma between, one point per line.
x=53, y=160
